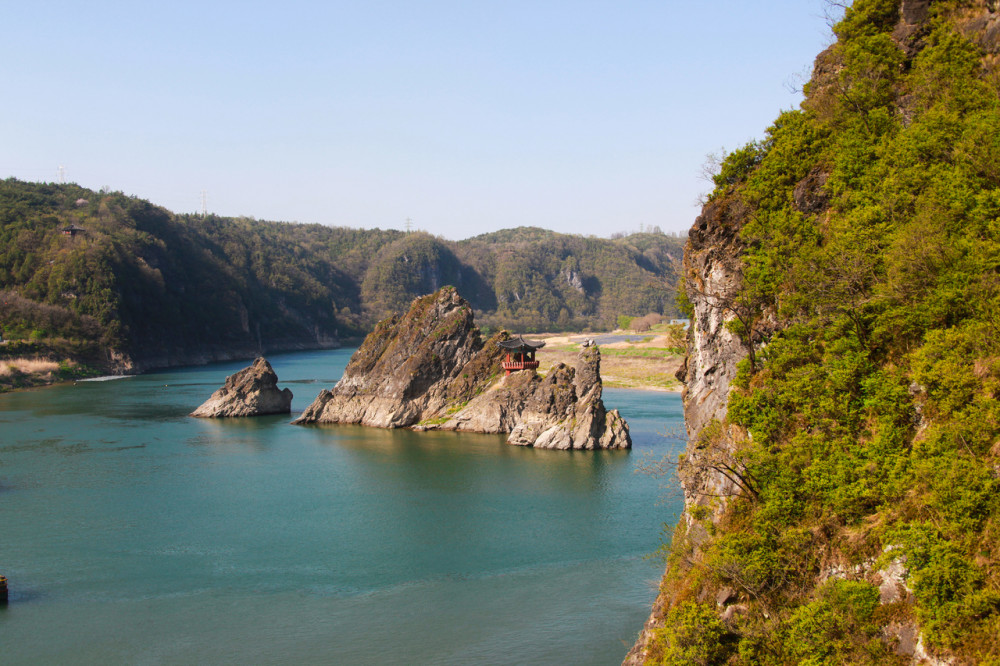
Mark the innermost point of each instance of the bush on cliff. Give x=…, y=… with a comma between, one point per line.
x=874, y=408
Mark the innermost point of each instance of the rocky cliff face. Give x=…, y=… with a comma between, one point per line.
x=431, y=369
x=253, y=391
x=563, y=410
x=712, y=264
x=712, y=270
x=411, y=368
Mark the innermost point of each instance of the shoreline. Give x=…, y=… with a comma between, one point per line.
x=646, y=364
x=52, y=368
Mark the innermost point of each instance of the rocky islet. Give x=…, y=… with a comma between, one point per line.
x=253, y=391
x=432, y=369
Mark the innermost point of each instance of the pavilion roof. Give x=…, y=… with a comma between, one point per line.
x=520, y=344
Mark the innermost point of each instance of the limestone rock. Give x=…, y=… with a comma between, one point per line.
x=431, y=369
x=412, y=368
x=563, y=410
x=252, y=391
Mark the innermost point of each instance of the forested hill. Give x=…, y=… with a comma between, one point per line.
x=140, y=286
x=842, y=482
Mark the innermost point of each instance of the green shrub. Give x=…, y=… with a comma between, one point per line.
x=692, y=635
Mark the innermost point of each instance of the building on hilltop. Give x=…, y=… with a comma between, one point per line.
x=520, y=354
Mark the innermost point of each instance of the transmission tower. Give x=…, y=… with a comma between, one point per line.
x=204, y=203
x=409, y=225
x=62, y=175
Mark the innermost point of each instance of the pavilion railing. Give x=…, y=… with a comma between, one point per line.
x=519, y=365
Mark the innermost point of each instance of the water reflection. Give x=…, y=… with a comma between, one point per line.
x=455, y=460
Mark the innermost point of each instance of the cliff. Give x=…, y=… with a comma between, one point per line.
x=842, y=382
x=431, y=369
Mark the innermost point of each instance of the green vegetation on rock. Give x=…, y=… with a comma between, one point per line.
x=868, y=429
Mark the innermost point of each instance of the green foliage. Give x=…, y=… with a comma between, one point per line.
x=872, y=413
x=865, y=18
x=692, y=635
x=738, y=165
x=838, y=627
x=414, y=265
x=542, y=280
x=684, y=305
x=143, y=281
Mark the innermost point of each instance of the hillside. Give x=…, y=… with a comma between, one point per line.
x=141, y=287
x=841, y=480
x=541, y=279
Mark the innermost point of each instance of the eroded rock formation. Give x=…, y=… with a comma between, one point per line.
x=431, y=369
x=253, y=391
x=563, y=410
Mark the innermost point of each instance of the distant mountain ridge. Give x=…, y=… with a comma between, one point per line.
x=142, y=287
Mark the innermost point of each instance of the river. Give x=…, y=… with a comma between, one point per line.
x=132, y=533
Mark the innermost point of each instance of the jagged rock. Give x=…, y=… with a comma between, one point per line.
x=729, y=614
x=725, y=596
x=905, y=636
x=563, y=410
x=712, y=265
x=253, y=391
x=431, y=369
x=411, y=369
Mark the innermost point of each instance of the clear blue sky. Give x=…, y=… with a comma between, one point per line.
x=467, y=116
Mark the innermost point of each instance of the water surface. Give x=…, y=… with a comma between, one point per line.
x=134, y=533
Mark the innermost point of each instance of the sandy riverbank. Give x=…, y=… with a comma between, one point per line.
x=646, y=361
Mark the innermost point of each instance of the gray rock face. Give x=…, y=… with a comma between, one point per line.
x=253, y=391
x=712, y=269
x=563, y=410
x=712, y=261
x=411, y=369
x=431, y=369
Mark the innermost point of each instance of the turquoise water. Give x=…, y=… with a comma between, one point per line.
x=132, y=533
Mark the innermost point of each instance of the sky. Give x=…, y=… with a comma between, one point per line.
x=466, y=116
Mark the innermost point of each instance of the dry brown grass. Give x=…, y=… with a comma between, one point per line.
x=26, y=366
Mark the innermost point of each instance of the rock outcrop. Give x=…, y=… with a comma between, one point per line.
x=431, y=369
x=411, y=368
x=563, y=410
x=712, y=269
x=253, y=391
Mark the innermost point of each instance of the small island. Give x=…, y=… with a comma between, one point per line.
x=253, y=391
x=432, y=369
